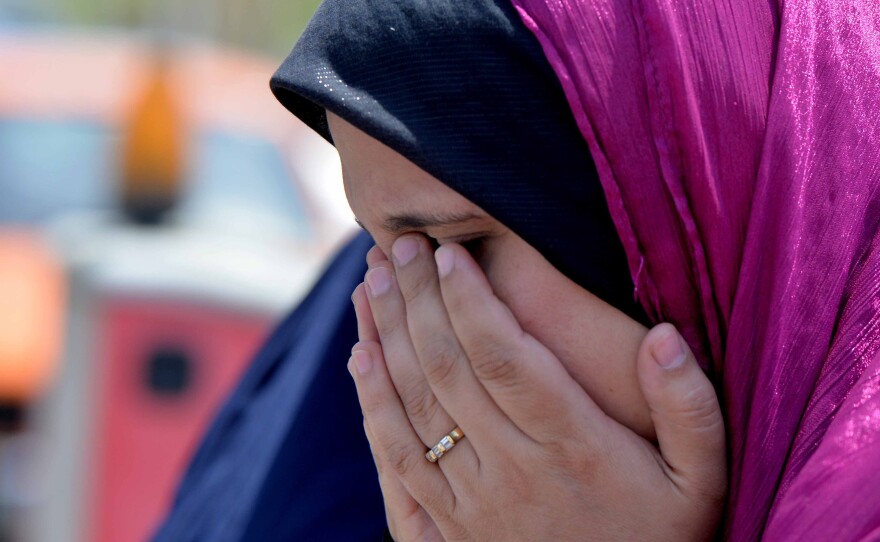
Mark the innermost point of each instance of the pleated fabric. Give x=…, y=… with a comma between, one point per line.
x=739, y=147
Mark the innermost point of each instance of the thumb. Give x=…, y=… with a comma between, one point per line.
x=685, y=411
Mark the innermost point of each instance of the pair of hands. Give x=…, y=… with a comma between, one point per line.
x=540, y=460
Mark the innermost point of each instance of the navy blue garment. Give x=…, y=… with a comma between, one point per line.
x=286, y=458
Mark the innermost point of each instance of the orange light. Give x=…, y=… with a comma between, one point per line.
x=153, y=150
x=32, y=301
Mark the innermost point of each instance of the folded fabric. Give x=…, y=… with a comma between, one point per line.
x=739, y=147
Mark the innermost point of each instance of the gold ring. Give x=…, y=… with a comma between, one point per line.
x=446, y=443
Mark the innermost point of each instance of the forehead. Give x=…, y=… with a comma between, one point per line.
x=380, y=183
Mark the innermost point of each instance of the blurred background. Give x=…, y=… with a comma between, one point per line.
x=159, y=212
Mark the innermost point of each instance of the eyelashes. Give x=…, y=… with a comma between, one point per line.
x=474, y=246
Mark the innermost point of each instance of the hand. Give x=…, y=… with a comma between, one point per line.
x=540, y=460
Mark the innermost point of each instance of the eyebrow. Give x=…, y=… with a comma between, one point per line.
x=397, y=224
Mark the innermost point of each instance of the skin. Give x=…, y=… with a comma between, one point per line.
x=542, y=460
x=597, y=343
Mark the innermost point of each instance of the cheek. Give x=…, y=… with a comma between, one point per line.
x=539, y=302
x=596, y=343
x=538, y=295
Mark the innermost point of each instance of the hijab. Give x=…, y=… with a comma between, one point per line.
x=463, y=90
x=745, y=185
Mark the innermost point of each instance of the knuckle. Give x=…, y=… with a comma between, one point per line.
x=419, y=403
x=438, y=358
x=372, y=406
x=516, y=472
x=556, y=451
x=699, y=409
x=460, y=304
x=440, y=509
x=403, y=458
x=380, y=467
x=388, y=325
x=415, y=285
x=580, y=464
x=584, y=458
x=493, y=362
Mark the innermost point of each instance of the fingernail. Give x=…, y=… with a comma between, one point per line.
x=405, y=249
x=362, y=361
x=378, y=281
x=445, y=258
x=669, y=352
x=372, y=252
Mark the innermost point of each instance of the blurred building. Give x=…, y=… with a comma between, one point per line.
x=161, y=211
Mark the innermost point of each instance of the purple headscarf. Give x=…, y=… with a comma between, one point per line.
x=738, y=144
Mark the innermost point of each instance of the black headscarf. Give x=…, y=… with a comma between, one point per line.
x=463, y=90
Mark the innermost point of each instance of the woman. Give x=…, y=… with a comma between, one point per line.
x=736, y=148
x=541, y=461
x=510, y=144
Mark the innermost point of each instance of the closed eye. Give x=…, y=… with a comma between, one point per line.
x=474, y=246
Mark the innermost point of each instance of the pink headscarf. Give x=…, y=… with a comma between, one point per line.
x=739, y=147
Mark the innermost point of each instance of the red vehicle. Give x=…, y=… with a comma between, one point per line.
x=183, y=211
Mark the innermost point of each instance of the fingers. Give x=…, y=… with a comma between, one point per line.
x=406, y=519
x=522, y=376
x=444, y=363
x=399, y=504
x=428, y=417
x=393, y=441
x=685, y=411
x=375, y=255
x=366, y=325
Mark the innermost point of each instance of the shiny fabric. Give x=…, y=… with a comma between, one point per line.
x=738, y=144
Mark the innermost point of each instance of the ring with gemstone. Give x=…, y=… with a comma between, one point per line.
x=446, y=443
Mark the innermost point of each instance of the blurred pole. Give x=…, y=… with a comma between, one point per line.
x=68, y=417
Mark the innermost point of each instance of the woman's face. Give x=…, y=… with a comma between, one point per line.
x=597, y=343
